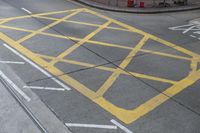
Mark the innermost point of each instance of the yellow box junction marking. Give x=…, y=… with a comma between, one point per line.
x=47, y=27
x=109, y=69
x=78, y=44
x=127, y=116
x=104, y=88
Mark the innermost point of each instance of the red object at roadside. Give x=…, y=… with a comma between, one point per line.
x=141, y=4
x=130, y=3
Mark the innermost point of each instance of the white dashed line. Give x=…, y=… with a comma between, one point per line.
x=91, y=126
x=44, y=88
x=27, y=98
x=26, y=10
x=126, y=130
x=37, y=67
x=12, y=62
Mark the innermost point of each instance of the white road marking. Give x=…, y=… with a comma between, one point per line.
x=44, y=88
x=181, y=26
x=186, y=28
x=37, y=67
x=126, y=130
x=191, y=27
x=195, y=21
x=27, y=98
x=197, y=32
x=91, y=126
x=12, y=62
x=193, y=36
x=26, y=10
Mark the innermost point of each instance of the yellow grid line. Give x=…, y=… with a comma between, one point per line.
x=3, y=21
x=127, y=116
x=53, y=70
x=100, y=43
x=129, y=28
x=81, y=23
x=194, y=65
x=33, y=15
x=162, y=41
x=47, y=27
x=108, y=83
x=165, y=54
x=110, y=69
x=78, y=44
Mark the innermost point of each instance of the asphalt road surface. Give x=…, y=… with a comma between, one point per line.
x=106, y=72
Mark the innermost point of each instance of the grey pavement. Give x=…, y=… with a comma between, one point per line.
x=92, y=64
x=13, y=119
x=196, y=21
x=17, y=115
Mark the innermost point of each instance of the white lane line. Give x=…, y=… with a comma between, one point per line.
x=26, y=10
x=27, y=98
x=91, y=125
x=37, y=67
x=12, y=62
x=44, y=88
x=126, y=130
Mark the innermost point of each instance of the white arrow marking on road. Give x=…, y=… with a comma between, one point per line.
x=91, y=126
x=126, y=130
x=12, y=62
x=15, y=86
x=44, y=88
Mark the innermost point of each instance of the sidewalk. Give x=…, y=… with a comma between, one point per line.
x=192, y=6
x=13, y=119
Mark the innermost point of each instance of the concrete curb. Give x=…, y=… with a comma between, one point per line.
x=139, y=10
